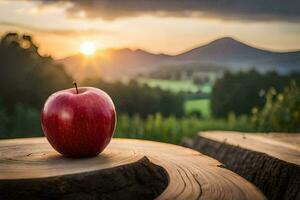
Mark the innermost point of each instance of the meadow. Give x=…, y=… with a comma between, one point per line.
x=191, y=105
x=171, y=85
x=198, y=105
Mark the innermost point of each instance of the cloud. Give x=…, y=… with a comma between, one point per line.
x=59, y=32
x=253, y=10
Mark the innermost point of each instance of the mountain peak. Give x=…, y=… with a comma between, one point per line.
x=225, y=41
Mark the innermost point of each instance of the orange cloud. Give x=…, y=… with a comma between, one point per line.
x=62, y=32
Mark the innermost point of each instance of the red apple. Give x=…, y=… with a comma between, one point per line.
x=79, y=122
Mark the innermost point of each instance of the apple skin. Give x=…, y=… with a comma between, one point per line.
x=79, y=125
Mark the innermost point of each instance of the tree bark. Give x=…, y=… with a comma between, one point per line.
x=271, y=161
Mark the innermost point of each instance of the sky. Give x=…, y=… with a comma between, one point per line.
x=60, y=27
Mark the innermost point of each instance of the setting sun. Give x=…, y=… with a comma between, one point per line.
x=87, y=48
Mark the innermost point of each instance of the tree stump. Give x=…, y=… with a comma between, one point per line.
x=127, y=169
x=270, y=161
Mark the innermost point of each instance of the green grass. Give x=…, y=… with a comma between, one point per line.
x=201, y=105
x=206, y=88
x=171, y=85
x=172, y=129
x=176, y=85
x=26, y=123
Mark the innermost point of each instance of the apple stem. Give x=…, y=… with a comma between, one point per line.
x=75, y=86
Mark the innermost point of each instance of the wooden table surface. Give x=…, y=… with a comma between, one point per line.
x=188, y=173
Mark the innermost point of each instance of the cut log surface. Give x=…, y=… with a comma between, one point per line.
x=127, y=169
x=270, y=161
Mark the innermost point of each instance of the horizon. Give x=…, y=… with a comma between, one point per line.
x=153, y=26
x=187, y=50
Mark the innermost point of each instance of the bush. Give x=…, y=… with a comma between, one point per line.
x=22, y=122
x=240, y=92
x=281, y=112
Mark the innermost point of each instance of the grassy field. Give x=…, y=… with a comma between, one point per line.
x=172, y=129
x=153, y=127
x=194, y=105
x=206, y=88
x=201, y=105
x=171, y=85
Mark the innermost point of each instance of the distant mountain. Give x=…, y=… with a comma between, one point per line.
x=114, y=63
x=226, y=53
x=231, y=53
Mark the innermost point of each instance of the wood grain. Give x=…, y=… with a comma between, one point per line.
x=177, y=172
x=270, y=161
x=285, y=147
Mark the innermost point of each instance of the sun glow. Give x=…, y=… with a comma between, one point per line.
x=87, y=48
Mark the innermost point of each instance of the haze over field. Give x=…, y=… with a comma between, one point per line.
x=219, y=55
